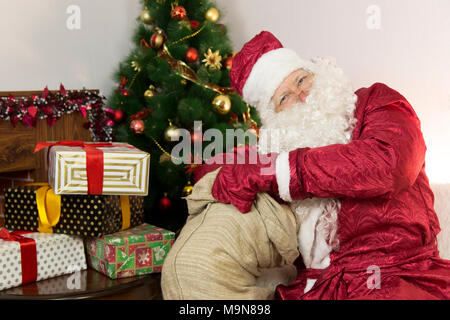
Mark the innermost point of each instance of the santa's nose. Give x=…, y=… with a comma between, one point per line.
x=303, y=96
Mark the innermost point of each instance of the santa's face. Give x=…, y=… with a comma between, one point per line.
x=311, y=108
x=293, y=90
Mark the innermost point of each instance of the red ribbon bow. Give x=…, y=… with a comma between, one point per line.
x=94, y=160
x=27, y=253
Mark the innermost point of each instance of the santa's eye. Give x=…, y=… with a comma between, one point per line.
x=300, y=81
x=283, y=98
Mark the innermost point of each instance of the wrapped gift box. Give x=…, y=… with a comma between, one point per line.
x=54, y=255
x=125, y=169
x=82, y=215
x=133, y=252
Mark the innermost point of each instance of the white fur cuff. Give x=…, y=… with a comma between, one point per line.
x=283, y=175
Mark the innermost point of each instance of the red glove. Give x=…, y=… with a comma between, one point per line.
x=244, y=173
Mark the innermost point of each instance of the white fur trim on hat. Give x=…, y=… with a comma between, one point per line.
x=268, y=73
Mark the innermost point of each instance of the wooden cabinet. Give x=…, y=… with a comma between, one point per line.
x=17, y=143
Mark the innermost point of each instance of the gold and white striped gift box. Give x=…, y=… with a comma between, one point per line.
x=126, y=170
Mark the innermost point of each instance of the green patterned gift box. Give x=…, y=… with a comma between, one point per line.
x=132, y=252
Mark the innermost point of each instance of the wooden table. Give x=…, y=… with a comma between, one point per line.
x=92, y=285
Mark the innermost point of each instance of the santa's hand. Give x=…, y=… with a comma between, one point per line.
x=238, y=184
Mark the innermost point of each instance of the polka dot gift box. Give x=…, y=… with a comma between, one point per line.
x=37, y=208
x=27, y=257
x=133, y=252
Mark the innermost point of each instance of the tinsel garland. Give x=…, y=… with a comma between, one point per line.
x=52, y=105
x=183, y=70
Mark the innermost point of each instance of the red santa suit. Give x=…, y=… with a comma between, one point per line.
x=387, y=226
x=372, y=175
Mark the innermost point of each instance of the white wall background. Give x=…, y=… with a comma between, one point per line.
x=38, y=49
x=410, y=51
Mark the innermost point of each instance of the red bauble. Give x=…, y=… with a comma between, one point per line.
x=194, y=24
x=196, y=137
x=228, y=63
x=118, y=115
x=137, y=126
x=191, y=55
x=157, y=40
x=178, y=12
x=165, y=203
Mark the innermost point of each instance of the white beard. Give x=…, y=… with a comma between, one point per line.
x=326, y=117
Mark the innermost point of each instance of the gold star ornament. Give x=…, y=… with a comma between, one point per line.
x=213, y=60
x=135, y=65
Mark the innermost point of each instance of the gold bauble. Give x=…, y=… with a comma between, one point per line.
x=150, y=92
x=212, y=15
x=187, y=190
x=146, y=16
x=171, y=131
x=158, y=30
x=222, y=104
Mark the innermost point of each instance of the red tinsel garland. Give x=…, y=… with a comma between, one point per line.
x=52, y=106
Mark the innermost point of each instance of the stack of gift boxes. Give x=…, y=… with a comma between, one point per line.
x=89, y=213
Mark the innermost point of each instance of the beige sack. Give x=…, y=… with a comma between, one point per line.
x=223, y=254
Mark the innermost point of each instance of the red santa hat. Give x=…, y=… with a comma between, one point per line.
x=261, y=66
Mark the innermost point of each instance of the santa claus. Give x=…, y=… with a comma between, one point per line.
x=351, y=166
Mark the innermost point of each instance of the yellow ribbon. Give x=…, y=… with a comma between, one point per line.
x=189, y=36
x=126, y=213
x=49, y=208
x=186, y=72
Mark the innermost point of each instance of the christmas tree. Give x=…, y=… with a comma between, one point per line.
x=177, y=73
